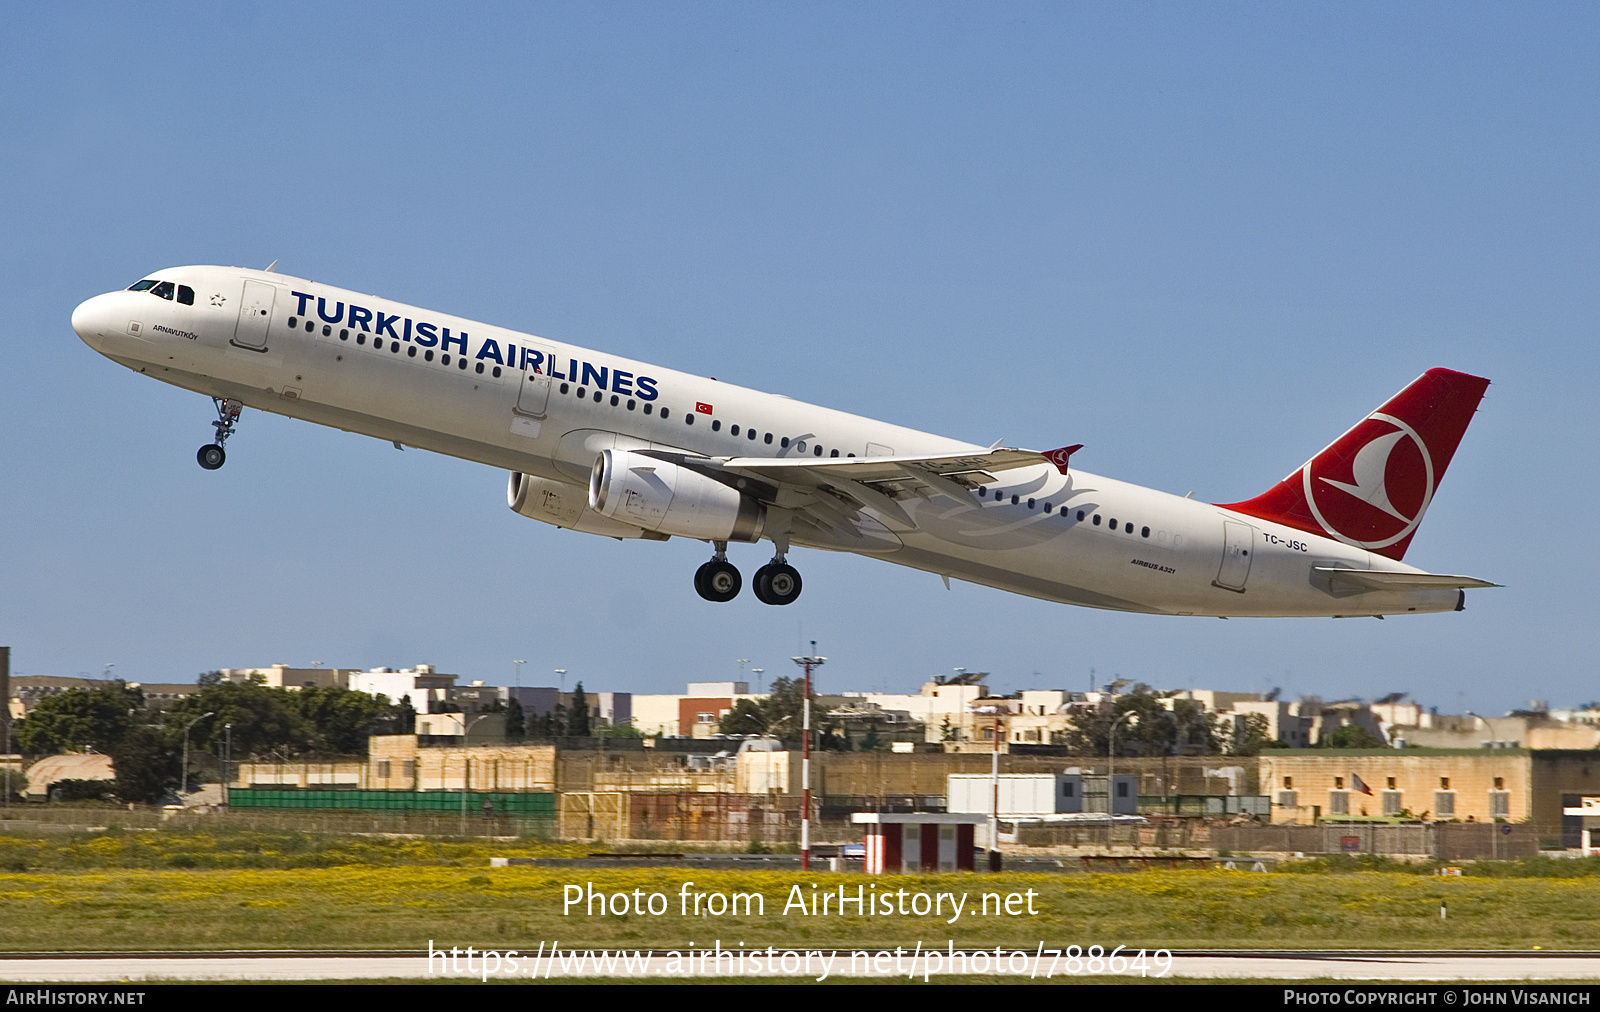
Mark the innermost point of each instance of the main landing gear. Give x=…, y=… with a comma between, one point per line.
x=775, y=583
x=211, y=456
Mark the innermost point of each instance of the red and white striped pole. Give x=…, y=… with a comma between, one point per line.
x=805, y=759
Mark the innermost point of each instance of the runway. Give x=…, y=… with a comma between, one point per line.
x=919, y=965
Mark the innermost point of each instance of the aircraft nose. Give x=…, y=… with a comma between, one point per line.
x=90, y=318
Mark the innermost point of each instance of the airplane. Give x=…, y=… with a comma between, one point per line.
x=624, y=449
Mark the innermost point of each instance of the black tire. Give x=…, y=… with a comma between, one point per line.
x=718, y=581
x=777, y=583
x=211, y=456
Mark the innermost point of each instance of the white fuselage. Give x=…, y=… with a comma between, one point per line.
x=1166, y=555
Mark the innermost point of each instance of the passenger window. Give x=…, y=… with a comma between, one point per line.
x=1096, y=519
x=564, y=387
x=716, y=425
x=165, y=289
x=1080, y=514
x=344, y=335
x=751, y=435
x=647, y=408
x=461, y=364
x=833, y=453
x=1113, y=523
x=377, y=344
x=1144, y=532
x=427, y=356
x=687, y=419
x=596, y=393
x=326, y=330
x=767, y=439
x=496, y=368
x=615, y=400
x=445, y=360
x=1047, y=507
x=784, y=442
x=582, y=393
x=186, y=295
x=310, y=326
x=816, y=450
x=1015, y=500
x=142, y=286
x=411, y=352
x=631, y=404
x=362, y=338
x=1127, y=528
x=733, y=430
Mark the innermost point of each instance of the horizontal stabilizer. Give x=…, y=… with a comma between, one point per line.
x=1368, y=579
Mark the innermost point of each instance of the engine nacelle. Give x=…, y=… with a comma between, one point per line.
x=661, y=496
x=561, y=504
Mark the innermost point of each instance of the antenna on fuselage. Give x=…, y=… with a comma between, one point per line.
x=272, y=267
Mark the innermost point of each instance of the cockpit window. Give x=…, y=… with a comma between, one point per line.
x=186, y=295
x=165, y=289
x=143, y=286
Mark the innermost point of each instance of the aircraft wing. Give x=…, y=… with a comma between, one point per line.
x=1369, y=579
x=877, y=482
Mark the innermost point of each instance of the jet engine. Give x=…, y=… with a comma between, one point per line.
x=661, y=496
x=561, y=504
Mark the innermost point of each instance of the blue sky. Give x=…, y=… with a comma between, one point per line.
x=1201, y=240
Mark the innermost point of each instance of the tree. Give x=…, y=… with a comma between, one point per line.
x=578, y=716
x=746, y=717
x=96, y=718
x=263, y=719
x=146, y=764
x=403, y=718
x=1248, y=736
x=1153, y=729
x=339, y=720
x=1351, y=736
x=209, y=678
x=516, y=723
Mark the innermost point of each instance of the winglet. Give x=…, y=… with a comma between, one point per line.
x=272, y=268
x=1061, y=457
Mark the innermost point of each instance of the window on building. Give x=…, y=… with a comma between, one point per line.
x=1338, y=802
x=1500, y=804
x=1444, y=803
x=1392, y=802
x=1444, y=783
x=1288, y=783
x=1389, y=783
x=383, y=769
x=1289, y=799
x=1338, y=783
x=1499, y=783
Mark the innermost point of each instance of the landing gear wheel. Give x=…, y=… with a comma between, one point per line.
x=777, y=583
x=718, y=581
x=211, y=456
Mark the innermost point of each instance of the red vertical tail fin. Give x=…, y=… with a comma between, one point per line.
x=1371, y=487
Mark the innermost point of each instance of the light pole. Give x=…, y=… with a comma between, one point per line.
x=812, y=661
x=466, y=769
x=183, y=779
x=561, y=686
x=758, y=672
x=519, y=665
x=227, y=759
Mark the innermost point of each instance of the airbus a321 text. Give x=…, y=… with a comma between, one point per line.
x=625, y=449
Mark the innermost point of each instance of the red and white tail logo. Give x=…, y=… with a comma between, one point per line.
x=1373, y=485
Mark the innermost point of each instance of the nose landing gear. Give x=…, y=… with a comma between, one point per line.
x=212, y=456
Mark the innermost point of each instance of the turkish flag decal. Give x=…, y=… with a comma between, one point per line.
x=702, y=407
